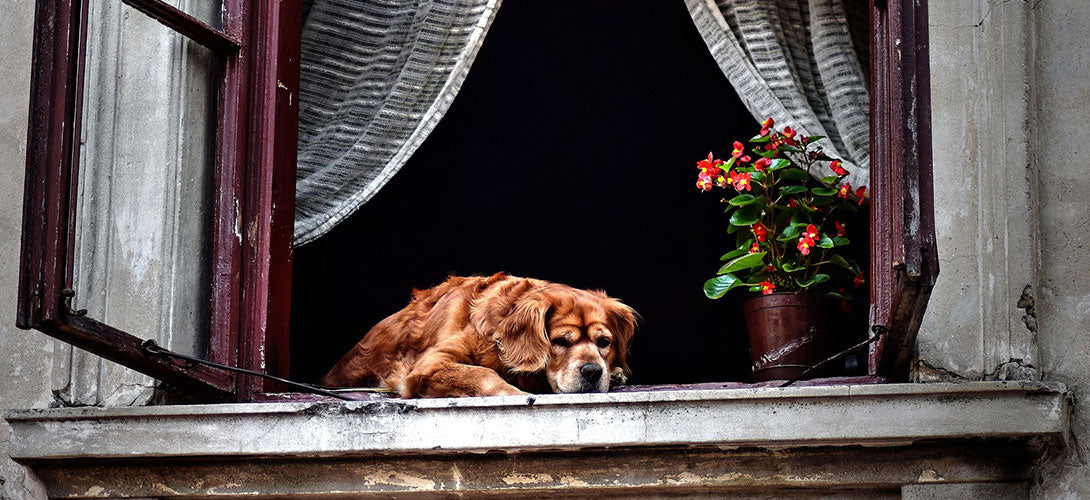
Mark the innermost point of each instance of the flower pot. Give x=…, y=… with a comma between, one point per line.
x=788, y=333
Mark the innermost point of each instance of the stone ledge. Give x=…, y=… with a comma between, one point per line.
x=858, y=439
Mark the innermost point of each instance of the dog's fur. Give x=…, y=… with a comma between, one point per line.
x=482, y=336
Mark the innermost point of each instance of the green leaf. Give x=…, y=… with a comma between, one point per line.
x=830, y=180
x=746, y=216
x=733, y=229
x=823, y=157
x=789, y=268
x=792, y=189
x=841, y=261
x=822, y=191
x=719, y=285
x=790, y=232
x=758, y=177
x=821, y=201
x=769, y=153
x=747, y=199
x=742, y=250
x=825, y=242
x=730, y=163
x=814, y=138
x=818, y=278
x=788, y=147
x=840, y=241
x=837, y=296
x=778, y=163
x=756, y=288
x=795, y=173
x=742, y=199
x=744, y=262
x=759, y=138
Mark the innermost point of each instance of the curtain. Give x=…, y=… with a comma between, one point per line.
x=794, y=60
x=376, y=78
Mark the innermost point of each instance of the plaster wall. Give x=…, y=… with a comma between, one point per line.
x=1010, y=97
x=25, y=357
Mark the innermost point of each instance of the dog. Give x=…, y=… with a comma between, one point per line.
x=497, y=335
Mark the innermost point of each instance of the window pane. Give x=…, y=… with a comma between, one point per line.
x=143, y=233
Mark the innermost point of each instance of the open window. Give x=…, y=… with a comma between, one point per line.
x=249, y=267
x=245, y=56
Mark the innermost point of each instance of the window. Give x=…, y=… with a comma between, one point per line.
x=254, y=190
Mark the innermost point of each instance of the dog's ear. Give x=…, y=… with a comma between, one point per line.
x=522, y=335
x=622, y=323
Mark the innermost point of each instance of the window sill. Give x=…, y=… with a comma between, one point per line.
x=873, y=438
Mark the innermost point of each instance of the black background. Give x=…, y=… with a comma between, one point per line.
x=569, y=155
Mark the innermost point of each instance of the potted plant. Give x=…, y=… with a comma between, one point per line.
x=786, y=216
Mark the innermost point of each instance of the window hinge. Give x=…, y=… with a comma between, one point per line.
x=66, y=299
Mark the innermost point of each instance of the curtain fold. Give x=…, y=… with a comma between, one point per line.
x=376, y=78
x=794, y=60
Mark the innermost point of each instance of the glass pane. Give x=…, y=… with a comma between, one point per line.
x=143, y=242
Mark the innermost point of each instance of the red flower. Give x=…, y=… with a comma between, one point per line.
x=704, y=182
x=810, y=232
x=766, y=126
x=845, y=191
x=767, y=286
x=760, y=231
x=740, y=181
x=754, y=248
x=837, y=169
x=790, y=134
x=858, y=281
x=710, y=166
x=791, y=203
x=738, y=149
x=805, y=244
x=762, y=163
x=839, y=229
x=861, y=193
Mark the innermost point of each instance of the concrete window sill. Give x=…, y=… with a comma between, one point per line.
x=865, y=439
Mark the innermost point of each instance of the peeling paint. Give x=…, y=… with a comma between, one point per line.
x=572, y=481
x=527, y=479
x=929, y=476
x=389, y=477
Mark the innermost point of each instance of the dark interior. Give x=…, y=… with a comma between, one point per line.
x=569, y=155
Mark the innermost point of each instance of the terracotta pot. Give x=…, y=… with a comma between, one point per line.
x=788, y=333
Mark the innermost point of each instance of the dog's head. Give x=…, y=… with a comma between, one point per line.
x=578, y=338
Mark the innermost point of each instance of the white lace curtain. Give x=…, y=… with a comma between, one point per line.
x=377, y=76
x=794, y=60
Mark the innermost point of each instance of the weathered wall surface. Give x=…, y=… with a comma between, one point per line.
x=25, y=358
x=1061, y=145
x=1011, y=95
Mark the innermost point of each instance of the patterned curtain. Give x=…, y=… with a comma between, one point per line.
x=794, y=60
x=377, y=76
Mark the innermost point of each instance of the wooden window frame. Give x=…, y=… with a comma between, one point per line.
x=255, y=196
x=257, y=109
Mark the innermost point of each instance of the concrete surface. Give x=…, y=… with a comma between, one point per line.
x=826, y=439
x=25, y=357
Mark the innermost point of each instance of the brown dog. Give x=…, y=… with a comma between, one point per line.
x=481, y=336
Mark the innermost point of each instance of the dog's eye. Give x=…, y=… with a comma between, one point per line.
x=603, y=343
x=562, y=342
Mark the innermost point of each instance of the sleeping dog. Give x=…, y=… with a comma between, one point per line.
x=498, y=335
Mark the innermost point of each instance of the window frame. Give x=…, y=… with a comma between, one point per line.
x=255, y=191
x=254, y=200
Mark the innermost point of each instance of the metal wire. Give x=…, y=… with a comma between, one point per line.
x=878, y=330
x=151, y=347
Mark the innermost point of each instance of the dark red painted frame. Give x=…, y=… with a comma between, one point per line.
x=904, y=258
x=255, y=173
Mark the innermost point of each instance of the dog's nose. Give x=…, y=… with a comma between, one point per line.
x=591, y=372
